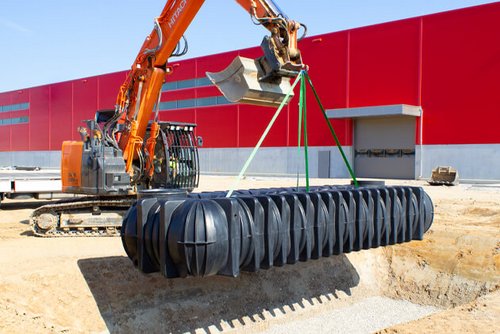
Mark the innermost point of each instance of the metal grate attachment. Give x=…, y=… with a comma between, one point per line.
x=176, y=157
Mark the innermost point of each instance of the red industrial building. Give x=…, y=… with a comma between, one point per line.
x=403, y=97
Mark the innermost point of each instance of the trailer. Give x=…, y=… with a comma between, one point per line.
x=29, y=182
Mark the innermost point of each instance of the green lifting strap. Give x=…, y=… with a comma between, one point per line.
x=299, y=135
x=351, y=172
x=264, y=135
x=303, y=106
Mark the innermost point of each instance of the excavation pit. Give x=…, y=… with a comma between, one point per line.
x=361, y=292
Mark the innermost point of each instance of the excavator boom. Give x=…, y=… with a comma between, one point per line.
x=264, y=81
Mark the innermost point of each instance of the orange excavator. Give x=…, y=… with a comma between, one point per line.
x=128, y=149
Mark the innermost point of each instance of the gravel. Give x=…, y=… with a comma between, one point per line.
x=366, y=316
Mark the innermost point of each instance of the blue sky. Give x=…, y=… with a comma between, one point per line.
x=57, y=40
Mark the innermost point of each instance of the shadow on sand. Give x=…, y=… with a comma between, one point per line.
x=130, y=301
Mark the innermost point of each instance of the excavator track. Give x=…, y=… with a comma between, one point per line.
x=81, y=217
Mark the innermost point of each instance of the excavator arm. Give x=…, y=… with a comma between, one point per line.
x=139, y=94
x=127, y=149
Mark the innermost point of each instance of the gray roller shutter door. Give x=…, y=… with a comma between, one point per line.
x=384, y=147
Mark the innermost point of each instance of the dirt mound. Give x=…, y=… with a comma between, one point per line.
x=478, y=316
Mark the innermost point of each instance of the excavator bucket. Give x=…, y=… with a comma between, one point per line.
x=240, y=83
x=444, y=176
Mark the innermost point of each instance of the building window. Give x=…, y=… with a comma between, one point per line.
x=191, y=103
x=15, y=107
x=186, y=103
x=205, y=102
x=169, y=86
x=170, y=105
x=222, y=100
x=184, y=84
x=14, y=120
x=203, y=82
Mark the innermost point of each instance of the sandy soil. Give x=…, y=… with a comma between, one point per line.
x=73, y=285
x=479, y=316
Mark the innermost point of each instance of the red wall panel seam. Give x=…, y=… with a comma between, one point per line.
x=72, y=108
x=420, y=60
x=50, y=118
x=348, y=70
x=287, y=128
x=29, y=120
x=419, y=120
x=238, y=126
x=349, y=124
x=97, y=101
x=10, y=127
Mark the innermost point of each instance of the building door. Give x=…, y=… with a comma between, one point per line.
x=385, y=147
